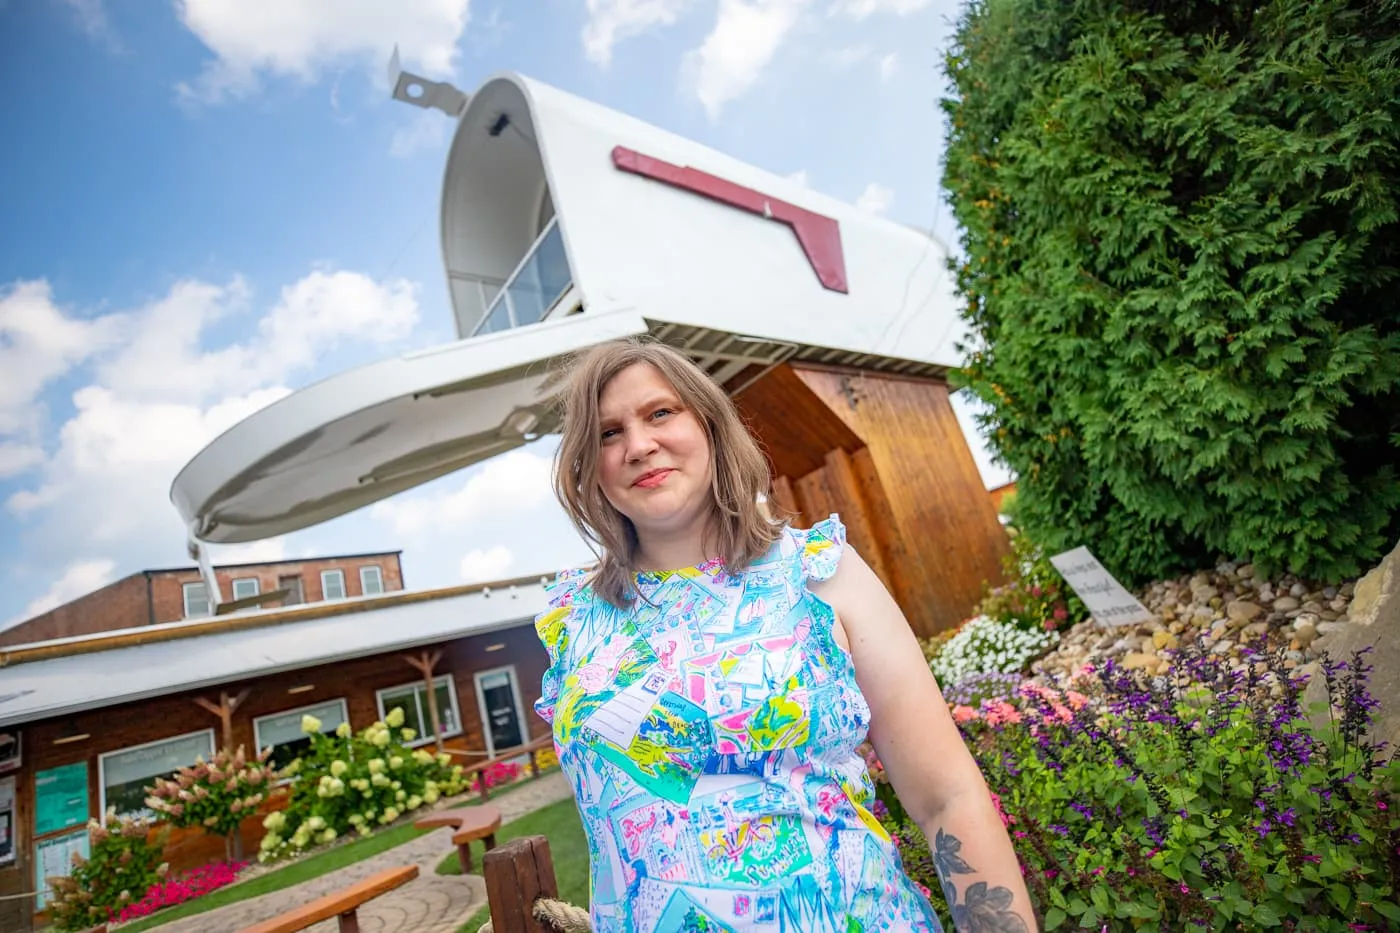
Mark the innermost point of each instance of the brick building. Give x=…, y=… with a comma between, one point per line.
x=150, y=597
x=87, y=722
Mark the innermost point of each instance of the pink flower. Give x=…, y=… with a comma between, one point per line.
x=1001, y=712
x=1049, y=625
x=962, y=714
x=1060, y=613
x=1076, y=699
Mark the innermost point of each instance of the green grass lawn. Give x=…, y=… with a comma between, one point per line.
x=568, y=849
x=295, y=873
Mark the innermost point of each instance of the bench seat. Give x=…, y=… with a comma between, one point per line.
x=342, y=904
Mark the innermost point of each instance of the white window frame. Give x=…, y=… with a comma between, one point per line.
x=332, y=574
x=208, y=603
x=423, y=716
x=102, y=759
x=378, y=572
x=257, y=739
x=257, y=588
x=515, y=695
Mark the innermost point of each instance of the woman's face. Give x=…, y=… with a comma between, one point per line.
x=654, y=457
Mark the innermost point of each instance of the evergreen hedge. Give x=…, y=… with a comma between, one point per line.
x=1180, y=237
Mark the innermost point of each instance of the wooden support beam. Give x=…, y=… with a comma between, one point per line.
x=425, y=662
x=518, y=873
x=225, y=709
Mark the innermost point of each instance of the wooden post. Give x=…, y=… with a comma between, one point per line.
x=425, y=663
x=233, y=845
x=349, y=922
x=224, y=710
x=517, y=874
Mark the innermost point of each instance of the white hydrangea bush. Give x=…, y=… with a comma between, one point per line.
x=986, y=646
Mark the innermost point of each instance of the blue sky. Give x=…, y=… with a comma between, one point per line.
x=210, y=203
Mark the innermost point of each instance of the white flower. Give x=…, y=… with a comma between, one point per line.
x=395, y=718
x=310, y=725
x=343, y=730
x=986, y=646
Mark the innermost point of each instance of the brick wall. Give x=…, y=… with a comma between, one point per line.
x=117, y=605
x=355, y=681
x=168, y=593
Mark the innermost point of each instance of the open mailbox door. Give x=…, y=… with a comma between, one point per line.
x=364, y=435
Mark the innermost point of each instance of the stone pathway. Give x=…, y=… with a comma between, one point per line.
x=431, y=903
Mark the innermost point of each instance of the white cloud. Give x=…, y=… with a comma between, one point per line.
x=252, y=552
x=746, y=36
x=612, y=21
x=38, y=344
x=162, y=388
x=861, y=9
x=509, y=484
x=79, y=579
x=422, y=130
x=888, y=65
x=850, y=55
x=91, y=17
x=483, y=566
x=301, y=38
x=799, y=176
x=875, y=198
x=16, y=458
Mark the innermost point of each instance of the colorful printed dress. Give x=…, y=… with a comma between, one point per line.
x=710, y=733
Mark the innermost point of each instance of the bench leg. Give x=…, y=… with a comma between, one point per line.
x=349, y=923
x=464, y=857
x=490, y=842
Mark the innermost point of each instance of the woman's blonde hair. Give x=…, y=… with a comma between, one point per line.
x=741, y=528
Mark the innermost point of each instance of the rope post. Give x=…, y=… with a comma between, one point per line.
x=517, y=873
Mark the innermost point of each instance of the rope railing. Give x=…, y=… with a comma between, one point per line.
x=559, y=916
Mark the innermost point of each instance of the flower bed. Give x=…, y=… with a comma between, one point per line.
x=186, y=886
x=1201, y=799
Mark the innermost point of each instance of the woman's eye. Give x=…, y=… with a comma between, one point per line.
x=659, y=412
x=609, y=432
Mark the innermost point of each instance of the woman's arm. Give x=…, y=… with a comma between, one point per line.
x=934, y=774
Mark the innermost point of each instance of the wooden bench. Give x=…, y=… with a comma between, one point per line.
x=342, y=904
x=469, y=825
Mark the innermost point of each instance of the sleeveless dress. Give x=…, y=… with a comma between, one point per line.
x=709, y=732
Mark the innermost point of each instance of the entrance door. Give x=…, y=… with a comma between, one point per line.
x=498, y=698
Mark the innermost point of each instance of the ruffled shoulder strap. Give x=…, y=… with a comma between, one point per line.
x=555, y=627
x=821, y=548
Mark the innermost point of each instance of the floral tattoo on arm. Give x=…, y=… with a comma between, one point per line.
x=983, y=909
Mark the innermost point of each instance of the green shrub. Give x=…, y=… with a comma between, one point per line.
x=124, y=862
x=1181, y=238
x=348, y=782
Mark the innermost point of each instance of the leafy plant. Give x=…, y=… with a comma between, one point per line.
x=1205, y=800
x=1181, y=245
x=216, y=796
x=348, y=781
x=124, y=862
x=1035, y=596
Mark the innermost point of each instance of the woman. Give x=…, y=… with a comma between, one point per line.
x=711, y=679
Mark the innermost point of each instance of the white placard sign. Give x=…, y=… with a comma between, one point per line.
x=1105, y=597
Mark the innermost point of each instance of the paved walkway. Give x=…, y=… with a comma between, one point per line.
x=431, y=903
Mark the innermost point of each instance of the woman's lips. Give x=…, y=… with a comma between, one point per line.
x=653, y=479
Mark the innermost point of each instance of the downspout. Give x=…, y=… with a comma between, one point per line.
x=150, y=599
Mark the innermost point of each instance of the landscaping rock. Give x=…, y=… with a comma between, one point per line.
x=1242, y=610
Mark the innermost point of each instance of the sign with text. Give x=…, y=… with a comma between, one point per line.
x=1106, y=599
x=7, y=820
x=53, y=858
x=60, y=798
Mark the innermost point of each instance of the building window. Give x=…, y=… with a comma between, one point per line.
x=125, y=775
x=371, y=580
x=332, y=584
x=413, y=700
x=292, y=585
x=246, y=587
x=282, y=731
x=196, y=601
